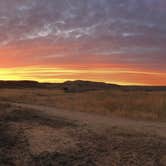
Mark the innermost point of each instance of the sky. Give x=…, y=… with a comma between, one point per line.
x=115, y=41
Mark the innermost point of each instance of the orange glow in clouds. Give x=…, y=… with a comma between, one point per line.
x=62, y=70
x=110, y=75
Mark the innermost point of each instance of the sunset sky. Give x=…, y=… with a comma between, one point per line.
x=115, y=41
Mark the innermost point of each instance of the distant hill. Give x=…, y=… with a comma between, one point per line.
x=81, y=86
x=27, y=84
x=68, y=86
x=77, y=86
x=19, y=84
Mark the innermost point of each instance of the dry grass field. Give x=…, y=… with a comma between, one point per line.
x=147, y=105
x=38, y=138
x=49, y=127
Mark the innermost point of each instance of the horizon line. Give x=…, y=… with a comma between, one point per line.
x=112, y=83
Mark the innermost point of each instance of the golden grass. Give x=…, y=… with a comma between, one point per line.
x=132, y=104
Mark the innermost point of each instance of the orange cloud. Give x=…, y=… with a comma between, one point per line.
x=59, y=74
x=45, y=63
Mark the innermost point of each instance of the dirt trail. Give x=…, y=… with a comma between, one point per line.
x=98, y=122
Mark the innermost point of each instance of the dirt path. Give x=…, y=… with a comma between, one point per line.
x=98, y=122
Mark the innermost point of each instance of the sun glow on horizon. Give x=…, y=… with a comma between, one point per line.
x=62, y=74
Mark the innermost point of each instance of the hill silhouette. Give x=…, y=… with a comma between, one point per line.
x=77, y=86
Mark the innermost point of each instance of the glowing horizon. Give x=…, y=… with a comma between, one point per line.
x=53, y=75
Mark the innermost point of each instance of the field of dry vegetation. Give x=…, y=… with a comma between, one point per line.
x=149, y=105
x=32, y=137
x=76, y=133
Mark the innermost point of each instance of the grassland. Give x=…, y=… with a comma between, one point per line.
x=40, y=138
x=148, y=105
x=77, y=133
